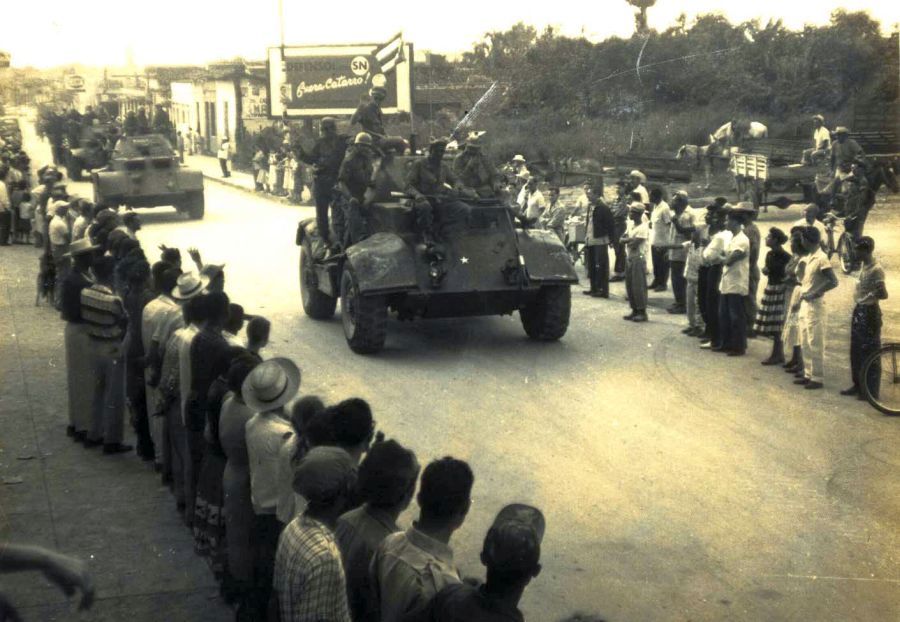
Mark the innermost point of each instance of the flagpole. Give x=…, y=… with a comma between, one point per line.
x=412, y=95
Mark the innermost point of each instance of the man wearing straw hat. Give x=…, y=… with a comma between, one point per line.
x=160, y=320
x=266, y=390
x=78, y=369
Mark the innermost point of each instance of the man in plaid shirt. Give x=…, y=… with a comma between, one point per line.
x=309, y=576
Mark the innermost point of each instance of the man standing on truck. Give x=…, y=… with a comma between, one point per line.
x=355, y=176
x=821, y=140
x=326, y=157
x=371, y=119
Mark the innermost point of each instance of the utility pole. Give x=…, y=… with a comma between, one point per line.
x=281, y=24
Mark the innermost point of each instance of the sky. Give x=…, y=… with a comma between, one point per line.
x=160, y=32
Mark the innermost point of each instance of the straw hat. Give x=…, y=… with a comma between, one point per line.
x=189, y=285
x=272, y=384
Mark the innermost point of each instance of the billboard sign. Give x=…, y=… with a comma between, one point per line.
x=74, y=82
x=334, y=80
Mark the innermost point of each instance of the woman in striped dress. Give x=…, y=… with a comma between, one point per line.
x=771, y=315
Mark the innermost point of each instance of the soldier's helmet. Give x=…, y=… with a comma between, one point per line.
x=363, y=138
x=328, y=122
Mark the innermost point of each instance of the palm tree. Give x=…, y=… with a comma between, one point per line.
x=640, y=19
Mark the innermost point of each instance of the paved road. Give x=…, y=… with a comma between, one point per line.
x=677, y=484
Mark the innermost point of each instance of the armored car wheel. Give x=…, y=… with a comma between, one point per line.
x=547, y=317
x=194, y=205
x=316, y=304
x=364, y=317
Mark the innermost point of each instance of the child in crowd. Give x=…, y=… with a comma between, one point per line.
x=790, y=335
x=695, y=326
x=770, y=318
x=25, y=216
x=258, y=329
x=289, y=163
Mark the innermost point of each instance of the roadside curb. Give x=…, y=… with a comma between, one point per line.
x=263, y=195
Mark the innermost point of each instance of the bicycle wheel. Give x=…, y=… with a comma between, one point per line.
x=845, y=253
x=880, y=379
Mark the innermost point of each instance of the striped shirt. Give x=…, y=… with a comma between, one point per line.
x=103, y=313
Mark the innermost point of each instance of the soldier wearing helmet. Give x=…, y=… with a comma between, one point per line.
x=369, y=115
x=326, y=157
x=427, y=181
x=355, y=176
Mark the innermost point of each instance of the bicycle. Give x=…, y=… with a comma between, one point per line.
x=844, y=248
x=576, y=231
x=880, y=379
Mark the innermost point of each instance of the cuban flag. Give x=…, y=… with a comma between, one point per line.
x=390, y=54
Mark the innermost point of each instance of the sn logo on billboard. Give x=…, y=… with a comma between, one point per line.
x=359, y=65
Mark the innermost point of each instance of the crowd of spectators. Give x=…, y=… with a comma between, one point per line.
x=293, y=503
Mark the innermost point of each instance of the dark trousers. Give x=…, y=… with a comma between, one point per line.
x=865, y=338
x=679, y=283
x=136, y=393
x=733, y=322
x=619, y=250
x=597, y=263
x=702, y=280
x=323, y=193
x=660, y=266
x=5, y=226
x=266, y=531
x=714, y=275
x=224, y=164
x=193, y=458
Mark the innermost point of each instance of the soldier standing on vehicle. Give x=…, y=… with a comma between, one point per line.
x=474, y=171
x=370, y=117
x=326, y=157
x=355, y=176
x=426, y=181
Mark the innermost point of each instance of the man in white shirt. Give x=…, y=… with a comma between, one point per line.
x=811, y=219
x=60, y=237
x=531, y=200
x=635, y=241
x=224, y=154
x=80, y=226
x=660, y=238
x=818, y=278
x=734, y=286
x=160, y=310
x=638, y=181
x=713, y=257
x=821, y=141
